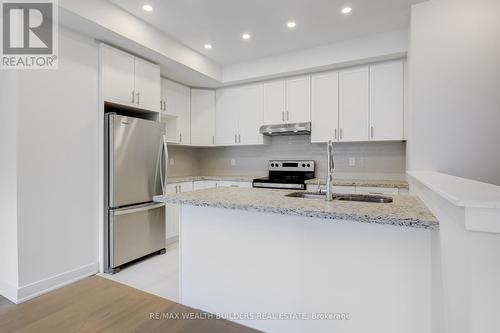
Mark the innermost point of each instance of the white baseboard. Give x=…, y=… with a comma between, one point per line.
x=8, y=291
x=38, y=288
x=171, y=240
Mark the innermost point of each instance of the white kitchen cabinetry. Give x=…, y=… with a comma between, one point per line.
x=274, y=102
x=325, y=107
x=202, y=117
x=377, y=190
x=298, y=99
x=239, y=115
x=386, y=101
x=287, y=101
x=176, y=111
x=128, y=80
x=225, y=183
x=353, y=104
x=172, y=210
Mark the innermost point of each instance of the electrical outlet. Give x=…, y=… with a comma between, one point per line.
x=171, y=161
x=352, y=161
x=233, y=162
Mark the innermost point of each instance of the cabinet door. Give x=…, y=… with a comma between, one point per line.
x=226, y=116
x=274, y=102
x=353, y=104
x=202, y=117
x=325, y=107
x=147, y=85
x=298, y=100
x=178, y=100
x=250, y=115
x=117, y=76
x=386, y=101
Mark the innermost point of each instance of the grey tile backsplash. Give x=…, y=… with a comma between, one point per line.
x=378, y=160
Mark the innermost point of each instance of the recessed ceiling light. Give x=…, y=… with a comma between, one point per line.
x=246, y=35
x=291, y=24
x=208, y=46
x=147, y=8
x=346, y=10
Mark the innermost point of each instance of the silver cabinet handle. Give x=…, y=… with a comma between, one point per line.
x=287, y=116
x=213, y=139
x=371, y=131
x=283, y=116
x=133, y=97
x=341, y=136
x=335, y=134
x=138, y=98
x=161, y=105
x=164, y=105
x=239, y=138
x=235, y=138
x=180, y=137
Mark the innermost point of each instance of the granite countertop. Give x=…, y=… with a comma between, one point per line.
x=405, y=210
x=314, y=181
x=361, y=182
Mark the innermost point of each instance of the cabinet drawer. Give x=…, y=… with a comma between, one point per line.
x=335, y=189
x=377, y=190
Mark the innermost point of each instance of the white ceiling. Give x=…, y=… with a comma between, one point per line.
x=221, y=23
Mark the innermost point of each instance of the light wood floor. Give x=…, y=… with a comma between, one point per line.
x=96, y=304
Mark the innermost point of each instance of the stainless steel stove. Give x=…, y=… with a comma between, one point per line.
x=287, y=174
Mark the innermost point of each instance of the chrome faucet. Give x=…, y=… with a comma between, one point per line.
x=330, y=169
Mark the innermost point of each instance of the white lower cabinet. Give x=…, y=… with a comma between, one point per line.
x=361, y=190
x=377, y=190
x=225, y=183
x=172, y=210
x=336, y=189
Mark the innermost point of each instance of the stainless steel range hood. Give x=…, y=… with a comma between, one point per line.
x=286, y=129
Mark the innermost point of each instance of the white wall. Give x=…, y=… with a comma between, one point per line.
x=57, y=168
x=8, y=187
x=454, y=78
x=390, y=45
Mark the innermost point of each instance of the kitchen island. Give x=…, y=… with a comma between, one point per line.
x=284, y=264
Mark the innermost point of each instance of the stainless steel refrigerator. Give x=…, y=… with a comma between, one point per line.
x=135, y=170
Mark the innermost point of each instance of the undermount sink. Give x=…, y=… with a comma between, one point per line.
x=342, y=197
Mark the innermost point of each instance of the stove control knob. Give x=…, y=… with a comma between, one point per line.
x=272, y=164
x=303, y=165
x=308, y=165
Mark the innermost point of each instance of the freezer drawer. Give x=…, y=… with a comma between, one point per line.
x=135, y=232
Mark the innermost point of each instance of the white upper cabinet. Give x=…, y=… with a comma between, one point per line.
x=128, y=80
x=251, y=115
x=325, y=107
x=353, y=104
x=118, y=81
x=147, y=84
x=226, y=116
x=298, y=99
x=287, y=101
x=177, y=111
x=386, y=101
x=202, y=117
x=239, y=115
x=274, y=102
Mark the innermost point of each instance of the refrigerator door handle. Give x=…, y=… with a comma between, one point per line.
x=163, y=171
x=137, y=209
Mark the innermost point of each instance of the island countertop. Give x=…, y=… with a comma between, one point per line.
x=405, y=210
